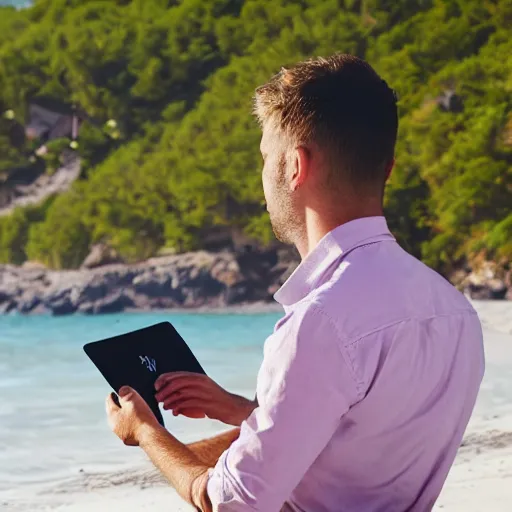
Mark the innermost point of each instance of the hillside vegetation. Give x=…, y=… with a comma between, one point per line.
x=177, y=78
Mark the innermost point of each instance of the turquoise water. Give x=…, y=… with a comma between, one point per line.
x=52, y=418
x=16, y=3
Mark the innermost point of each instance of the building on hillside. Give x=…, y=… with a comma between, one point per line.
x=50, y=119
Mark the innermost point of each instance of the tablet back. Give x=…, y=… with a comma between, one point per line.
x=138, y=358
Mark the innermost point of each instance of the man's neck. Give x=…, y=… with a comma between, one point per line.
x=317, y=225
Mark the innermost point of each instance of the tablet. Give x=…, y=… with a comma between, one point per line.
x=138, y=358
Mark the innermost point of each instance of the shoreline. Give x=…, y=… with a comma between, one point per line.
x=485, y=454
x=251, y=308
x=480, y=479
x=481, y=475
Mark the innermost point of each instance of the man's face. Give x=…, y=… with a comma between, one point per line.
x=276, y=176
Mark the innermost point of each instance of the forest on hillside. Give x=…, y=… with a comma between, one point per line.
x=171, y=150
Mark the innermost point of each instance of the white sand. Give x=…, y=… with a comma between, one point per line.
x=496, y=315
x=481, y=478
x=131, y=491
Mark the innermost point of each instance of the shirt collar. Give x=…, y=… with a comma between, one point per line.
x=335, y=244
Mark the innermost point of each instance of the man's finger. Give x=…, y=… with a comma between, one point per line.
x=193, y=404
x=177, y=402
x=167, y=378
x=178, y=387
x=162, y=381
x=127, y=394
x=125, y=391
x=180, y=383
x=187, y=394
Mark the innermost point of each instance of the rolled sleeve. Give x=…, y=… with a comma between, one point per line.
x=305, y=385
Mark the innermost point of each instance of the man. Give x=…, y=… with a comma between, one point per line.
x=370, y=378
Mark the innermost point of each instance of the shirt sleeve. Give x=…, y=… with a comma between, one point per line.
x=305, y=386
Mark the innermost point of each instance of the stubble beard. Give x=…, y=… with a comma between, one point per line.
x=285, y=220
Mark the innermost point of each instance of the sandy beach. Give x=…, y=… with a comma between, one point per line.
x=481, y=478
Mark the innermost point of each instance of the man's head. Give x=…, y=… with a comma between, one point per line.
x=329, y=132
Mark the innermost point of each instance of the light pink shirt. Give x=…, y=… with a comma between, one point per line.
x=366, y=386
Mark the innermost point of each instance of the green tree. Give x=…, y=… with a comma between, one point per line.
x=171, y=150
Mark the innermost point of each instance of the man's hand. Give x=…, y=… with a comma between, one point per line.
x=136, y=425
x=195, y=395
x=128, y=419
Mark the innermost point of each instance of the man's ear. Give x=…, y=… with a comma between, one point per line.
x=389, y=168
x=301, y=167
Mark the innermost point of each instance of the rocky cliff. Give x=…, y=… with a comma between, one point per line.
x=185, y=281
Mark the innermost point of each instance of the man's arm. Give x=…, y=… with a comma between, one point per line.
x=208, y=451
x=135, y=424
x=184, y=470
x=305, y=386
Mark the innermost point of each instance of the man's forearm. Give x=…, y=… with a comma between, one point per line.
x=208, y=451
x=185, y=471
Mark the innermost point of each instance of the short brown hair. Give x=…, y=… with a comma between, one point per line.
x=341, y=104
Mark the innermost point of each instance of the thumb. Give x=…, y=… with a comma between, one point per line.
x=126, y=392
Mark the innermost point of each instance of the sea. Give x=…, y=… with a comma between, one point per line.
x=58, y=453
x=52, y=398
x=16, y=3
